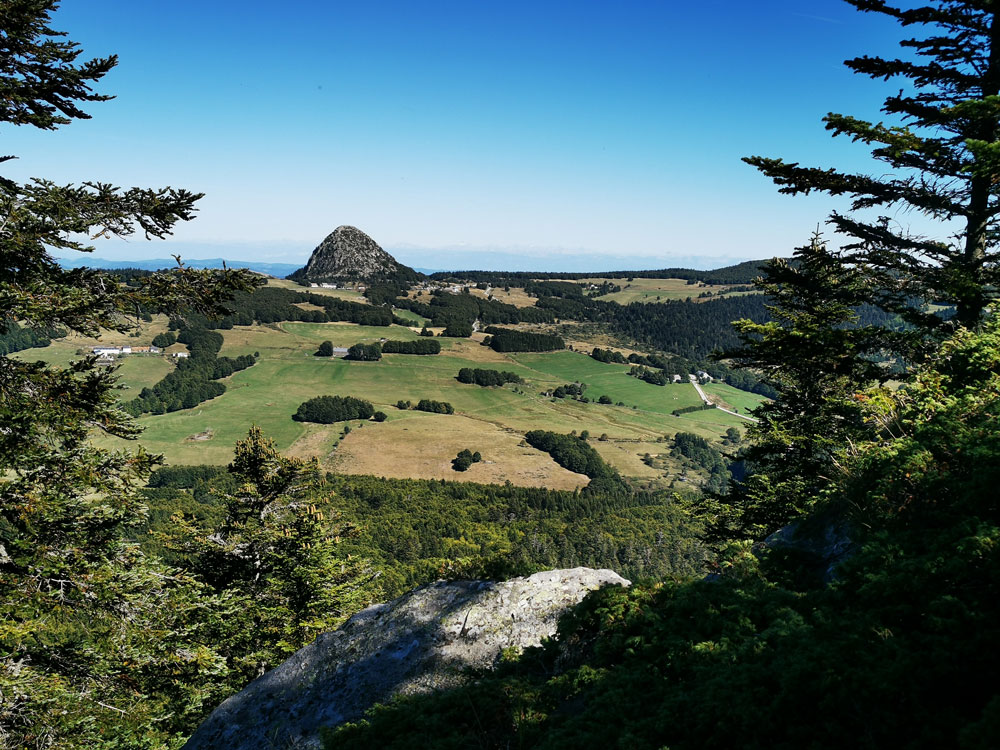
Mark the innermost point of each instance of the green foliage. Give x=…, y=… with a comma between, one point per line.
x=325, y=349
x=465, y=459
x=653, y=377
x=97, y=646
x=701, y=454
x=365, y=352
x=457, y=312
x=457, y=329
x=273, y=304
x=14, y=338
x=574, y=454
x=330, y=409
x=415, y=531
x=273, y=564
x=411, y=347
x=508, y=340
x=608, y=356
x=434, y=407
x=741, y=273
x=690, y=409
x=165, y=339
x=194, y=379
x=573, y=390
x=941, y=156
x=817, y=357
x=487, y=378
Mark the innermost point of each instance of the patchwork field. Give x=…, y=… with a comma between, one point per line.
x=410, y=443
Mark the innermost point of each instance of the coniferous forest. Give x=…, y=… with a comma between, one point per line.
x=837, y=584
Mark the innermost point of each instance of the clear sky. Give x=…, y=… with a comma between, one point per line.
x=460, y=133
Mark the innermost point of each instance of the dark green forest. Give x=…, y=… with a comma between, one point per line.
x=741, y=273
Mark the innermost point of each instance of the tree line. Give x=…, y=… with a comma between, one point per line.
x=420, y=346
x=741, y=273
x=15, y=338
x=487, y=378
x=510, y=340
x=434, y=407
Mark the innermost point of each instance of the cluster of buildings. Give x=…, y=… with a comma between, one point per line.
x=117, y=351
x=106, y=354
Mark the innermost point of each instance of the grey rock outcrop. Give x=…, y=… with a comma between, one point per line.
x=424, y=640
x=348, y=254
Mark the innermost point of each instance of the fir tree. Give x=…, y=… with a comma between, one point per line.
x=944, y=162
x=817, y=357
x=90, y=627
x=273, y=562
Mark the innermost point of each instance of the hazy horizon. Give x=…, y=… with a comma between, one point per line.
x=437, y=259
x=522, y=130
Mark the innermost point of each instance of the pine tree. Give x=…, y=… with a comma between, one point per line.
x=89, y=628
x=817, y=357
x=273, y=563
x=944, y=162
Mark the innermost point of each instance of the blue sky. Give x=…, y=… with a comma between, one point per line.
x=457, y=132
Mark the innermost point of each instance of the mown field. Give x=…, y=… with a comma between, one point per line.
x=411, y=443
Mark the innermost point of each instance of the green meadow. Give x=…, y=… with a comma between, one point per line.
x=656, y=290
x=287, y=373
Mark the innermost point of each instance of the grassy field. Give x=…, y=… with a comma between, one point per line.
x=657, y=290
x=349, y=294
x=416, y=320
x=409, y=443
x=732, y=398
x=135, y=372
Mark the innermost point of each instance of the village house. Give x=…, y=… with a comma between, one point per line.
x=108, y=352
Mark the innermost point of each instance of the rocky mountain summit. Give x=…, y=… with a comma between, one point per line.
x=425, y=640
x=348, y=254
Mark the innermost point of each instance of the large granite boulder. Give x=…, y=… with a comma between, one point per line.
x=427, y=639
